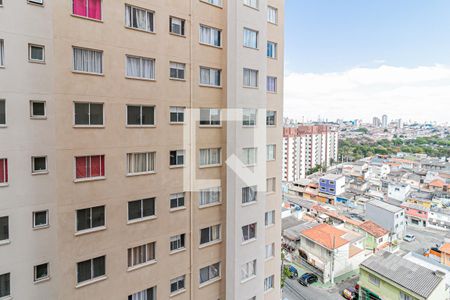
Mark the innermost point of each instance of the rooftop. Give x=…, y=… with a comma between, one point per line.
x=385, y=206
x=445, y=248
x=373, y=229
x=326, y=236
x=405, y=273
x=332, y=176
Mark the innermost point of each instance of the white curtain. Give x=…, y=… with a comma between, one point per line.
x=87, y=60
x=205, y=76
x=271, y=84
x=205, y=33
x=140, y=67
x=272, y=14
x=138, y=18
x=250, y=38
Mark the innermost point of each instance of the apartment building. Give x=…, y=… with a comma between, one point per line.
x=114, y=147
x=306, y=147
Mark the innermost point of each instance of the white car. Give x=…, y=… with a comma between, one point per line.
x=409, y=237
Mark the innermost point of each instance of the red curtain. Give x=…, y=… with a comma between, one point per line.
x=81, y=167
x=79, y=8
x=95, y=9
x=97, y=166
x=3, y=170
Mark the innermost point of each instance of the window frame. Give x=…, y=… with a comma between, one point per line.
x=141, y=68
x=101, y=73
x=6, y=240
x=147, y=12
x=90, y=178
x=208, y=194
x=255, y=34
x=177, y=113
x=87, y=12
x=211, y=29
x=91, y=227
x=141, y=106
x=211, y=279
x=246, y=155
x=246, y=268
x=212, y=230
x=147, y=248
x=271, y=182
x=180, y=287
x=140, y=295
x=2, y=52
x=180, y=156
x=275, y=84
x=33, y=60
x=5, y=171
x=209, y=2
x=274, y=47
x=209, y=155
x=209, y=84
x=47, y=219
x=177, y=64
x=247, y=229
x=177, y=197
x=210, y=122
x=33, y=165
x=38, y=117
x=272, y=151
x=271, y=120
x=275, y=22
x=269, y=218
x=7, y=294
x=178, y=240
x=93, y=278
x=142, y=218
x=150, y=158
x=247, y=3
x=44, y=278
x=90, y=125
x=269, y=283
x=182, y=26
x=249, y=117
x=249, y=84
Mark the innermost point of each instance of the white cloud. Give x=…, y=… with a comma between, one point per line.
x=420, y=93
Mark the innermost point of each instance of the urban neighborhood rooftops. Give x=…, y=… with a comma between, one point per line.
x=373, y=229
x=385, y=206
x=409, y=275
x=326, y=236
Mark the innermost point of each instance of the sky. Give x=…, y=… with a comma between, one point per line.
x=356, y=59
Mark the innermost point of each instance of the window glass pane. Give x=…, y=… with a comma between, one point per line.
x=134, y=210
x=5, y=285
x=36, y=52
x=4, y=228
x=38, y=108
x=99, y=266
x=84, y=271
x=2, y=112
x=133, y=115
x=98, y=216
x=83, y=219
x=39, y=164
x=96, y=114
x=82, y=113
x=40, y=218
x=149, y=207
x=41, y=271
x=148, y=115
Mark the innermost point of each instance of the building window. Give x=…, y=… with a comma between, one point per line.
x=272, y=15
x=2, y=112
x=271, y=84
x=271, y=118
x=268, y=283
x=140, y=115
x=209, y=157
x=271, y=50
x=210, y=116
x=249, y=232
x=250, y=78
x=141, y=163
x=177, y=242
x=39, y=165
x=270, y=251
x=90, y=166
x=270, y=184
x=141, y=209
x=37, y=109
x=176, y=25
x=404, y=296
x=209, y=234
x=90, y=218
x=41, y=272
x=209, y=196
x=177, y=200
x=141, y=254
x=5, y=285
x=249, y=116
x=36, y=53
x=249, y=194
x=374, y=280
x=177, y=70
x=3, y=171
x=148, y=294
x=176, y=158
x=39, y=2
x=250, y=38
x=271, y=152
x=87, y=61
x=269, y=218
x=248, y=270
x=88, y=114
x=139, y=18
x=177, y=114
x=91, y=9
x=209, y=273
x=210, y=36
x=252, y=3
x=210, y=76
x=4, y=229
x=91, y=269
x=214, y=2
x=177, y=284
x=2, y=52
x=140, y=67
x=249, y=156
x=40, y=219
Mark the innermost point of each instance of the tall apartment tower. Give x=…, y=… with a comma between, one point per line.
x=133, y=139
x=384, y=121
x=308, y=146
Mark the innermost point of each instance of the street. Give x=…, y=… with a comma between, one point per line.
x=425, y=238
x=295, y=291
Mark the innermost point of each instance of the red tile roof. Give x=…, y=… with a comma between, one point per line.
x=326, y=236
x=353, y=251
x=445, y=248
x=373, y=229
x=437, y=183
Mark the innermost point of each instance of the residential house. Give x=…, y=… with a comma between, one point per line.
x=332, y=184
x=377, y=237
x=388, y=216
x=416, y=214
x=445, y=254
x=439, y=218
x=398, y=191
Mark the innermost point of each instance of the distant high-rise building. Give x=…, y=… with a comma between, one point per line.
x=384, y=121
x=305, y=147
x=376, y=122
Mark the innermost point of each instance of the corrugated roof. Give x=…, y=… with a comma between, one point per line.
x=384, y=205
x=409, y=275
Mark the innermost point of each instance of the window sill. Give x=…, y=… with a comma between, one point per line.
x=210, y=86
x=176, y=167
x=141, y=30
x=77, y=180
x=212, y=46
x=250, y=87
x=210, y=205
x=140, y=126
x=249, y=203
x=177, y=34
x=41, y=280
x=248, y=279
x=175, y=293
x=269, y=259
x=210, y=166
x=272, y=92
x=5, y=242
x=177, y=79
x=249, y=47
x=206, y=245
x=86, y=18
x=252, y=7
x=210, y=126
x=40, y=62
x=92, y=281
x=140, y=78
x=248, y=242
x=268, y=291
x=91, y=230
x=137, y=267
x=88, y=126
x=4, y=185
x=6, y=297
x=202, y=285
x=175, y=209
x=214, y=5
x=88, y=73
x=248, y=126
x=176, y=123
x=269, y=226
x=177, y=251
x=41, y=227
x=38, y=117
x=39, y=173
x=129, y=222
x=140, y=174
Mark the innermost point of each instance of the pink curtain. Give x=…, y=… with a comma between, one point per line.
x=79, y=7
x=95, y=9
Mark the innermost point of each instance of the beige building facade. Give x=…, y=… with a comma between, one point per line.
x=116, y=172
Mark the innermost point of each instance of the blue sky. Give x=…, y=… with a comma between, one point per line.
x=376, y=56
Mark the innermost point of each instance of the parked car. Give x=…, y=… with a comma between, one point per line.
x=350, y=294
x=409, y=237
x=293, y=272
x=308, y=278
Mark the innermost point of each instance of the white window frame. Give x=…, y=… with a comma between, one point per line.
x=91, y=227
x=147, y=13
x=143, y=294
x=210, y=196
x=210, y=30
x=269, y=251
x=177, y=66
x=89, y=50
x=92, y=279
x=2, y=53
x=178, y=110
x=141, y=116
x=271, y=114
x=180, y=288
x=217, y=3
x=47, y=219
x=271, y=152
x=246, y=228
x=150, y=158
x=248, y=271
x=30, y=59
x=213, y=268
x=211, y=112
x=250, y=38
x=274, y=51
x=250, y=156
x=2, y=125
x=89, y=114
x=269, y=283
x=208, y=152
x=247, y=192
x=179, y=241
x=250, y=78
x=142, y=59
x=179, y=153
x=212, y=231
x=252, y=3
x=46, y=277
x=182, y=26
x=142, y=217
x=177, y=197
x=269, y=218
x=36, y=172
x=38, y=117
x=210, y=82
x=147, y=249
x=271, y=184
x=269, y=16
x=273, y=81
x=249, y=117
x=5, y=241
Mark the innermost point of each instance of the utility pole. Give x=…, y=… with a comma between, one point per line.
x=332, y=261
